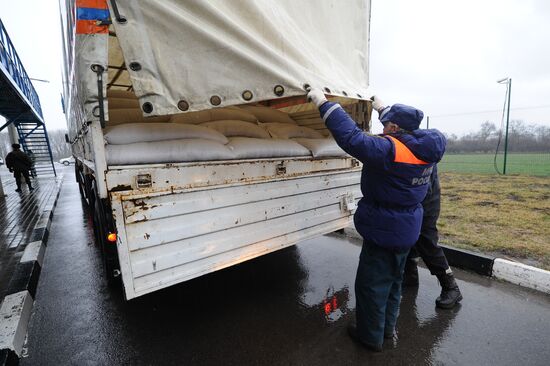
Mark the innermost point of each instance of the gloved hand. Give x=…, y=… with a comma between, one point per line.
x=11, y=170
x=317, y=97
x=377, y=104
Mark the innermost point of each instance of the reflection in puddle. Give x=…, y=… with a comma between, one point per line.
x=335, y=304
x=329, y=277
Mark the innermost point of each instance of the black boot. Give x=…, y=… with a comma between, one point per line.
x=18, y=190
x=450, y=293
x=410, y=276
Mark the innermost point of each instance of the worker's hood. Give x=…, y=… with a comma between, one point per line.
x=428, y=145
x=406, y=117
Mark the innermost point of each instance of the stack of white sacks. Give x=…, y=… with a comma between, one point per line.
x=246, y=132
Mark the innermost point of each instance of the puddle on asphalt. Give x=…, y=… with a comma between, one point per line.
x=327, y=283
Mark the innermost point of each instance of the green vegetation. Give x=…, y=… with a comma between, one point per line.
x=517, y=163
x=504, y=215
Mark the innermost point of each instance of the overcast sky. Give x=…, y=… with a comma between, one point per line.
x=443, y=57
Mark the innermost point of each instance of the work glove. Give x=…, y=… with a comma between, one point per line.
x=11, y=170
x=317, y=97
x=377, y=104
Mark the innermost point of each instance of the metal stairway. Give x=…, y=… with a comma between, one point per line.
x=33, y=138
x=20, y=105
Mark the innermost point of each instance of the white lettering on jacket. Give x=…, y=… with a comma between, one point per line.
x=424, y=178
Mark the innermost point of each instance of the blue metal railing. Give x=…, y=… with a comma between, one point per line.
x=11, y=62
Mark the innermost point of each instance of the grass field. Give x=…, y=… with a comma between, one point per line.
x=531, y=164
x=503, y=215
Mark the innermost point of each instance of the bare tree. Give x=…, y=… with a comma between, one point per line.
x=60, y=149
x=521, y=138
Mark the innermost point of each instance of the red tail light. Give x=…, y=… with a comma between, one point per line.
x=111, y=237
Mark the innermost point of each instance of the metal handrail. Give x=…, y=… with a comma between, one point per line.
x=11, y=62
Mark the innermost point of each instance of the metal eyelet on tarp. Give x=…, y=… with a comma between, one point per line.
x=135, y=66
x=215, y=100
x=183, y=105
x=247, y=95
x=344, y=92
x=147, y=107
x=327, y=90
x=307, y=87
x=279, y=90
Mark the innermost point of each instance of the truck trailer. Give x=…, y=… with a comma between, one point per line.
x=195, y=148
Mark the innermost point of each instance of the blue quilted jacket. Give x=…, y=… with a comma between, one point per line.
x=395, y=177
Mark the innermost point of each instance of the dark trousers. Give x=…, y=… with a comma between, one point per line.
x=17, y=175
x=378, y=291
x=427, y=246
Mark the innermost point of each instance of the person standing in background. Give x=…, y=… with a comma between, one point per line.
x=432, y=254
x=19, y=164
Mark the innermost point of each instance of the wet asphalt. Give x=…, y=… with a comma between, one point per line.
x=287, y=308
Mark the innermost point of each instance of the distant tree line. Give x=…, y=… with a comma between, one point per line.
x=521, y=138
x=60, y=149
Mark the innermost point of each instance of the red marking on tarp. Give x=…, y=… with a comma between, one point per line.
x=93, y=4
x=90, y=27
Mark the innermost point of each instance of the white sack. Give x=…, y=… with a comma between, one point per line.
x=230, y=128
x=249, y=148
x=214, y=114
x=287, y=131
x=173, y=151
x=129, y=133
x=192, y=50
x=266, y=114
x=322, y=148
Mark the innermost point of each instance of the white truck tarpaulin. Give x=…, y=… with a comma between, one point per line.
x=190, y=55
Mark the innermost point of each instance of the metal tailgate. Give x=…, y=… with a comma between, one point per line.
x=172, y=237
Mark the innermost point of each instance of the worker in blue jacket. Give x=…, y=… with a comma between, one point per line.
x=396, y=172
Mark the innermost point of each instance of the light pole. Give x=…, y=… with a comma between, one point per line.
x=41, y=80
x=508, y=82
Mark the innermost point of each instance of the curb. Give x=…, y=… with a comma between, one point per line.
x=502, y=269
x=16, y=307
x=480, y=263
x=522, y=275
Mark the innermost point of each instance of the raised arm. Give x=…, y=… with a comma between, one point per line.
x=368, y=149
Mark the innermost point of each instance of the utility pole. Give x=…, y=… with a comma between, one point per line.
x=507, y=123
x=508, y=82
x=428, y=122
